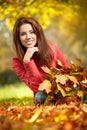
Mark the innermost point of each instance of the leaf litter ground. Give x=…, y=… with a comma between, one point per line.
x=64, y=109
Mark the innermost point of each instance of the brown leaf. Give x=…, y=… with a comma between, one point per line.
x=79, y=61
x=85, y=73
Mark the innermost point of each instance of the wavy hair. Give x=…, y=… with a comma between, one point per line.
x=45, y=53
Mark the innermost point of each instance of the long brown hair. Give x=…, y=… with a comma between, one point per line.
x=45, y=53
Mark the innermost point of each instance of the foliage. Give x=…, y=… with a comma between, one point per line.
x=63, y=108
x=8, y=77
x=65, y=85
x=69, y=20
x=60, y=117
x=45, y=11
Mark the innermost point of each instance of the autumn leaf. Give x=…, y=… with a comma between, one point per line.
x=84, y=81
x=83, y=107
x=79, y=61
x=60, y=117
x=35, y=116
x=73, y=79
x=46, y=69
x=45, y=85
x=80, y=93
x=61, y=90
x=59, y=63
x=85, y=74
x=61, y=79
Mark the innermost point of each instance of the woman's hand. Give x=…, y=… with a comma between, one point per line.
x=29, y=53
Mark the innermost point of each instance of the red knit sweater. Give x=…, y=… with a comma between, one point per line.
x=32, y=74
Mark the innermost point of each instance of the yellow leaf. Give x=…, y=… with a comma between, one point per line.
x=73, y=79
x=46, y=69
x=80, y=93
x=61, y=90
x=59, y=63
x=45, y=85
x=84, y=107
x=60, y=117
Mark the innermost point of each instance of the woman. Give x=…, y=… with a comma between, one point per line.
x=33, y=52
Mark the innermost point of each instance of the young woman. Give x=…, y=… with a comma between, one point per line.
x=33, y=52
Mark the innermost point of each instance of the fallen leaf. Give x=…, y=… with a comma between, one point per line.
x=35, y=116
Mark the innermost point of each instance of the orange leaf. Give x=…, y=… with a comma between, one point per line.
x=79, y=61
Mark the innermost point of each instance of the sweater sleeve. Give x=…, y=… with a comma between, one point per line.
x=28, y=73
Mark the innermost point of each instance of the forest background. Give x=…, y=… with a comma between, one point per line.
x=64, y=23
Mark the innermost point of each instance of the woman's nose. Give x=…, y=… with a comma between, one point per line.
x=28, y=36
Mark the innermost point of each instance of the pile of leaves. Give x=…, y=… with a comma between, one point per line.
x=51, y=117
x=65, y=85
x=64, y=109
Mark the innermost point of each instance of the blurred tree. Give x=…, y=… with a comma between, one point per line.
x=5, y=46
x=39, y=9
x=63, y=21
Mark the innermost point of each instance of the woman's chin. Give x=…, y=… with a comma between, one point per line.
x=29, y=46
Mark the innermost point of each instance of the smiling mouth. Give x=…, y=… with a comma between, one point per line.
x=29, y=42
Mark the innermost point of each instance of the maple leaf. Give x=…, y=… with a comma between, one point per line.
x=79, y=62
x=73, y=79
x=61, y=79
x=45, y=85
x=46, y=69
x=61, y=90
x=59, y=63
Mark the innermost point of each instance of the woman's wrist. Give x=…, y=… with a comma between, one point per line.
x=26, y=60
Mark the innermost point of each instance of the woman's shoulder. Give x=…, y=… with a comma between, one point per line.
x=53, y=46
x=15, y=59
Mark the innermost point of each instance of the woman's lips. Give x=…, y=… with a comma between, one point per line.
x=29, y=42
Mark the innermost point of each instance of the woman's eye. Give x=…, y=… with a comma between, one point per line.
x=31, y=31
x=22, y=34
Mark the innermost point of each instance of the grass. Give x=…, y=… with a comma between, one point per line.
x=17, y=101
x=16, y=93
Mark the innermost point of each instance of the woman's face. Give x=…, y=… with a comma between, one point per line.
x=27, y=35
